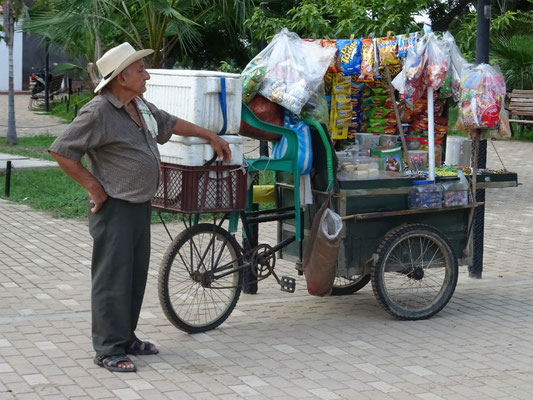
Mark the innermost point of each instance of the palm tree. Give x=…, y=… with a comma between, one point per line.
x=89, y=27
x=12, y=10
x=515, y=58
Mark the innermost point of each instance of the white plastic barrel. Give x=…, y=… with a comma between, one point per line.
x=458, y=151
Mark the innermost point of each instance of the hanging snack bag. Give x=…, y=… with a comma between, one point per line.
x=334, y=66
x=341, y=106
x=416, y=61
x=388, y=50
x=402, y=42
x=437, y=62
x=349, y=56
x=482, y=96
x=458, y=65
x=376, y=60
x=367, y=61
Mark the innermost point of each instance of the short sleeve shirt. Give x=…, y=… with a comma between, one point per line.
x=122, y=156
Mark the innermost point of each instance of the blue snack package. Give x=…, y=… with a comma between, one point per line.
x=350, y=56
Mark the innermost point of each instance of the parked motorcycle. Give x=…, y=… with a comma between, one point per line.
x=37, y=82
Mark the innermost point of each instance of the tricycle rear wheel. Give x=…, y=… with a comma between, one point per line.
x=345, y=285
x=416, y=272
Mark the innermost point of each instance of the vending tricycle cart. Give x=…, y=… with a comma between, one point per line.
x=411, y=256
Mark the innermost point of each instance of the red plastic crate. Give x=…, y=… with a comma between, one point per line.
x=214, y=188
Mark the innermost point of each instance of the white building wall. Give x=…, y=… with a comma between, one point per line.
x=17, y=63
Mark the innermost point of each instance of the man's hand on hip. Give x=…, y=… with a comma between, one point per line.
x=98, y=198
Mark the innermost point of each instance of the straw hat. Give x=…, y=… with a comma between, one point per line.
x=116, y=60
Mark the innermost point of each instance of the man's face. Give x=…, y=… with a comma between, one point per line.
x=135, y=77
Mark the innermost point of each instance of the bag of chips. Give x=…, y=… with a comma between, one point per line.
x=367, y=61
x=388, y=49
x=349, y=56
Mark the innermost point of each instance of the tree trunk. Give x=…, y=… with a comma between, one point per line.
x=9, y=26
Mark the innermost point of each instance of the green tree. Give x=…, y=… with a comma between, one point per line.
x=340, y=18
x=174, y=28
x=12, y=10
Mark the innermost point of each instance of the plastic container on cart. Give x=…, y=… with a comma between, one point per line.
x=366, y=141
x=424, y=194
x=194, y=96
x=458, y=151
x=413, y=143
x=419, y=159
x=193, y=151
x=388, y=140
x=456, y=192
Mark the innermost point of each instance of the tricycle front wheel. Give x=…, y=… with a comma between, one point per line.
x=416, y=272
x=200, y=279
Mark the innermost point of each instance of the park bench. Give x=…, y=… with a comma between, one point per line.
x=521, y=106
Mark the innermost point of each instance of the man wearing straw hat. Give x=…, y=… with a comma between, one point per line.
x=118, y=131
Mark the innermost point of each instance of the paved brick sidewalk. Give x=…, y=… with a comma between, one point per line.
x=28, y=122
x=275, y=345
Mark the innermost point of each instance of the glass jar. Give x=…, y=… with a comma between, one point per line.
x=425, y=194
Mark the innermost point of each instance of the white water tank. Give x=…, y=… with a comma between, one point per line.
x=458, y=151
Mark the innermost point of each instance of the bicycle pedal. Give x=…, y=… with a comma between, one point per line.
x=288, y=284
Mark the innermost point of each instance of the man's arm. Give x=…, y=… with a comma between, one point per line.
x=80, y=174
x=221, y=147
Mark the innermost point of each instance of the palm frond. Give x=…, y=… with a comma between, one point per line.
x=515, y=58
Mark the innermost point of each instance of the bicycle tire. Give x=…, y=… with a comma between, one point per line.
x=416, y=272
x=346, y=285
x=187, y=301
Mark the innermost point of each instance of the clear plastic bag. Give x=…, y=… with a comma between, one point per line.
x=482, y=96
x=294, y=69
x=252, y=77
x=317, y=107
x=437, y=62
x=458, y=65
x=413, y=69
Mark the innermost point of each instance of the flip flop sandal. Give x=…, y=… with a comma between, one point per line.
x=111, y=362
x=140, y=348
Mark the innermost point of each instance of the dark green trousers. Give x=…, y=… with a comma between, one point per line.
x=121, y=254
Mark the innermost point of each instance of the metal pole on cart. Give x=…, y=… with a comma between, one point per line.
x=251, y=288
x=482, y=56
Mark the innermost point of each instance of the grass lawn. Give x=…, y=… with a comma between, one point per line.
x=35, y=146
x=67, y=111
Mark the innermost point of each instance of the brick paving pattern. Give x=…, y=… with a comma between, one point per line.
x=275, y=345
